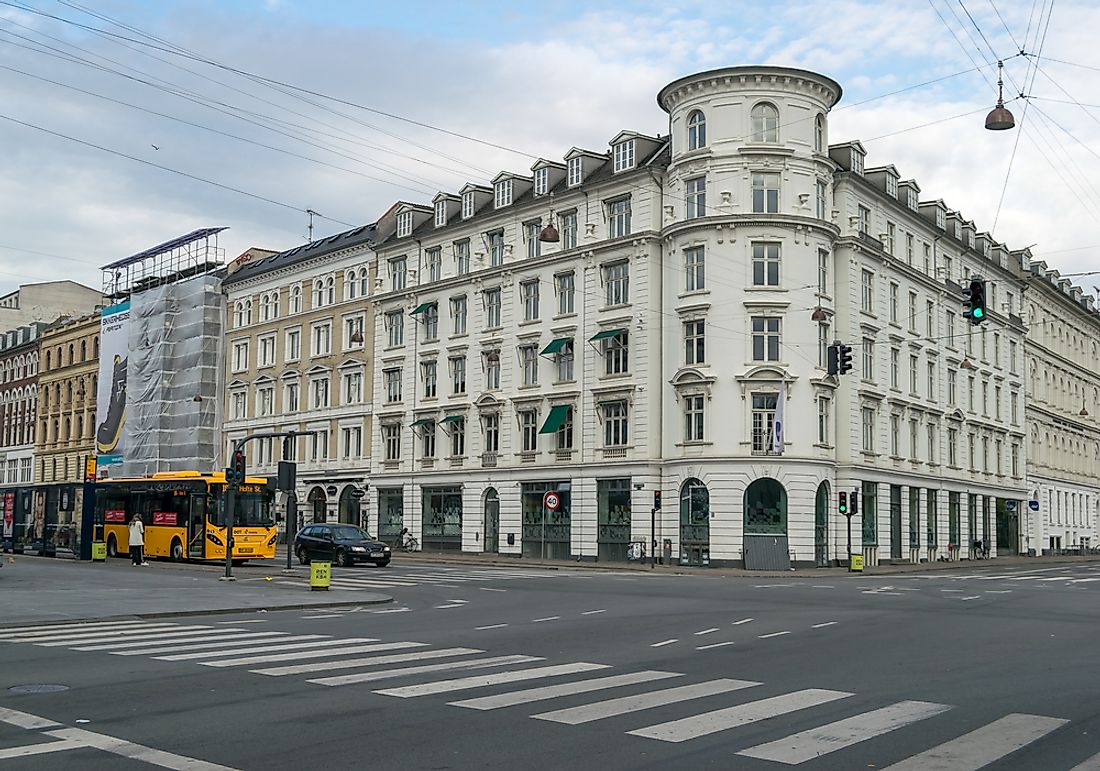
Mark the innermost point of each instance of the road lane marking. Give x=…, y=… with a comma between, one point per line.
x=807, y=745
x=41, y=749
x=25, y=720
x=713, y=645
x=135, y=751
x=742, y=621
x=664, y=643
x=451, y=605
x=367, y=677
x=592, y=612
x=369, y=661
x=773, y=634
x=317, y=643
x=490, y=626
x=480, y=681
x=564, y=689
x=824, y=623
x=986, y=745
x=707, y=631
x=547, y=618
x=323, y=615
x=821, y=586
x=1092, y=764
x=971, y=597
x=491, y=589
x=599, y=710
x=312, y=654
x=731, y=717
x=250, y=621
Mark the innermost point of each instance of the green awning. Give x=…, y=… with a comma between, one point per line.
x=452, y=419
x=556, y=345
x=421, y=308
x=557, y=416
x=607, y=334
x=423, y=422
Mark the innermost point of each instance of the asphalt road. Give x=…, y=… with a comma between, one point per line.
x=476, y=667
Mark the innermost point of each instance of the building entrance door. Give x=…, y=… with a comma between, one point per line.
x=694, y=523
x=491, y=544
x=821, y=526
x=895, y=522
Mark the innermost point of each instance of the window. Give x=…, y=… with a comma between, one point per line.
x=492, y=308
x=929, y=318
x=462, y=257
x=985, y=398
x=617, y=283
x=496, y=248
x=618, y=218
x=240, y=356
x=269, y=308
x=353, y=387
x=819, y=134
x=1013, y=407
x=615, y=424
x=1015, y=460
x=391, y=379
x=823, y=406
x=624, y=155
x=891, y=237
x=765, y=123
x=895, y=432
x=1012, y=356
x=492, y=370
x=952, y=386
x=867, y=291
x=395, y=328
x=502, y=193
x=765, y=192
x=542, y=181
x=765, y=264
x=823, y=335
x=913, y=362
x=404, y=224
x=616, y=354
x=296, y=299
x=435, y=263
x=694, y=342
x=291, y=400
x=693, y=418
x=568, y=230
x=529, y=294
x=765, y=338
x=932, y=442
x=565, y=290
x=695, y=191
x=695, y=273
x=529, y=358
x=997, y=402
x=267, y=351
x=574, y=172
x=996, y=349
x=822, y=272
x=458, y=315
x=868, y=359
x=322, y=339
x=863, y=219
x=440, y=213
x=895, y=355
x=531, y=232
x=491, y=427
x=868, y=421
x=238, y=314
x=467, y=205
x=428, y=373
x=970, y=393
x=319, y=393
x=529, y=430
x=238, y=405
x=564, y=433
x=912, y=311
x=822, y=200
x=696, y=130
x=458, y=374
x=952, y=447
x=909, y=246
x=458, y=437
x=391, y=441
x=763, y=421
x=351, y=438
x=398, y=267
x=430, y=318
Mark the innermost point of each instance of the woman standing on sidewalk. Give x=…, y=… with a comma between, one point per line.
x=137, y=541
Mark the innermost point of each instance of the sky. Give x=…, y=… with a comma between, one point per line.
x=125, y=124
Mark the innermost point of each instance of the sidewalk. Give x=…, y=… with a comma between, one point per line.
x=44, y=590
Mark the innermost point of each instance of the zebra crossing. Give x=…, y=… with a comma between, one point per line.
x=663, y=706
x=1058, y=575
x=364, y=579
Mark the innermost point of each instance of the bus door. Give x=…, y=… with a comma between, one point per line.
x=196, y=526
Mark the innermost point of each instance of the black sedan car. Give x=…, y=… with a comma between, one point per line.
x=340, y=544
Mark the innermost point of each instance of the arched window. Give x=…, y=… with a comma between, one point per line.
x=72, y=352
x=330, y=290
x=248, y=311
x=296, y=298
x=48, y=359
x=83, y=350
x=318, y=293
x=819, y=134
x=238, y=314
x=765, y=123
x=351, y=286
x=364, y=283
x=765, y=508
x=95, y=346
x=697, y=130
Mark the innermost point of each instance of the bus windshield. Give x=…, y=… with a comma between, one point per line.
x=251, y=509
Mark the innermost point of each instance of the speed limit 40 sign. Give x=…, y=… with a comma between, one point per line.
x=551, y=501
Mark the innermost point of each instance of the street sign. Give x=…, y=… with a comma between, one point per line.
x=551, y=501
x=1010, y=505
x=856, y=563
x=1033, y=505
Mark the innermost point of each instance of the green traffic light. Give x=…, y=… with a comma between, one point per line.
x=977, y=313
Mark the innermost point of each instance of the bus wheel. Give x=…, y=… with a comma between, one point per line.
x=112, y=547
x=238, y=563
x=177, y=550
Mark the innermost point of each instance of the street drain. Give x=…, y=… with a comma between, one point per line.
x=38, y=688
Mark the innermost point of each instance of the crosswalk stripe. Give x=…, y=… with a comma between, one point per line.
x=800, y=747
x=281, y=646
x=367, y=677
x=979, y=748
x=564, y=689
x=61, y=745
x=160, y=649
x=221, y=634
x=77, y=635
x=743, y=714
x=1056, y=578
x=1092, y=764
x=130, y=634
x=599, y=710
x=102, y=643
x=312, y=654
x=55, y=628
x=369, y=661
x=479, y=681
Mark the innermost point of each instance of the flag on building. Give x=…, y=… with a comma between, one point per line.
x=777, y=423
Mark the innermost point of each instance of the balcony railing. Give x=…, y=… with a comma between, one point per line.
x=488, y=459
x=614, y=452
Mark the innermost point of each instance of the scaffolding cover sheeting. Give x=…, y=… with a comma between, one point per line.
x=173, y=378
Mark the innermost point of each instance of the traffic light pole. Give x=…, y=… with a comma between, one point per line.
x=849, y=515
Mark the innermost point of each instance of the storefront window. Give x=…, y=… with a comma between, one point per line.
x=546, y=534
x=613, y=501
x=442, y=518
x=391, y=514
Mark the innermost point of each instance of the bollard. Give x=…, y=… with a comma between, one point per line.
x=320, y=576
x=99, y=551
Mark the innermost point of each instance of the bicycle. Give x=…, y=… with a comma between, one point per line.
x=407, y=542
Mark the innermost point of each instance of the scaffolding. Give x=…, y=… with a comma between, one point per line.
x=194, y=254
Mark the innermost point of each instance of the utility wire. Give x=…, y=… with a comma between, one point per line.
x=1003, y=24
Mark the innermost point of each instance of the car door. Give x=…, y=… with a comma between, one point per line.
x=305, y=540
x=326, y=548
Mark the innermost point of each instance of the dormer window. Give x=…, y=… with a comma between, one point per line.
x=624, y=156
x=467, y=205
x=575, y=172
x=503, y=193
x=765, y=123
x=697, y=130
x=857, y=161
x=891, y=186
x=404, y=224
x=440, y=213
x=941, y=219
x=912, y=194
x=542, y=181
x=819, y=134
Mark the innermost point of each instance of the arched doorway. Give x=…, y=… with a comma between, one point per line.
x=821, y=525
x=491, y=521
x=765, y=519
x=349, y=507
x=694, y=523
x=318, y=501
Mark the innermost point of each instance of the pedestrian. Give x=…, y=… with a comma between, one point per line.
x=137, y=541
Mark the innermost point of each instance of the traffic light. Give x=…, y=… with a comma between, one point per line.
x=656, y=499
x=845, y=362
x=842, y=502
x=855, y=502
x=974, y=304
x=238, y=468
x=834, y=359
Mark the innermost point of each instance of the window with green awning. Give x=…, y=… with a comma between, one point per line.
x=557, y=416
x=606, y=334
x=556, y=346
x=423, y=422
x=421, y=308
x=452, y=419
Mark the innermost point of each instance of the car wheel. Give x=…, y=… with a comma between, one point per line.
x=177, y=550
x=112, y=547
x=303, y=558
x=383, y=564
x=341, y=558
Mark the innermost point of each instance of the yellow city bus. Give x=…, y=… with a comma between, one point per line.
x=184, y=516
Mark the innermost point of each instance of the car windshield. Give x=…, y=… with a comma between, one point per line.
x=350, y=533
